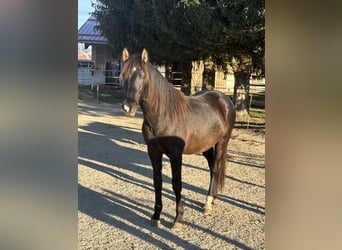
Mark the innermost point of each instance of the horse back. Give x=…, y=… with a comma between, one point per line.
x=211, y=117
x=214, y=102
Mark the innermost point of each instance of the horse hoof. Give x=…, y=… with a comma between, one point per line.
x=177, y=226
x=155, y=223
x=208, y=210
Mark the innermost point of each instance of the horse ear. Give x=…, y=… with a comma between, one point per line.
x=144, y=56
x=125, y=55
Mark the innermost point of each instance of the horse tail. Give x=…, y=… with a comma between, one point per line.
x=221, y=173
x=221, y=149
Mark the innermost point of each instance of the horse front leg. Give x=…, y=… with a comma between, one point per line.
x=176, y=165
x=156, y=160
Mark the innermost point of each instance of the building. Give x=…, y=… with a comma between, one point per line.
x=106, y=67
x=84, y=67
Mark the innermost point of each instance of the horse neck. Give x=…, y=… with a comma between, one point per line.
x=155, y=96
x=149, y=107
x=161, y=100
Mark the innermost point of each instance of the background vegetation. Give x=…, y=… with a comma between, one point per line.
x=176, y=32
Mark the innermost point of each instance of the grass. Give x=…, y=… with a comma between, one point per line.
x=256, y=120
x=257, y=114
x=107, y=93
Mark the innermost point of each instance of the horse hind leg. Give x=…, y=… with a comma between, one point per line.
x=212, y=191
x=217, y=164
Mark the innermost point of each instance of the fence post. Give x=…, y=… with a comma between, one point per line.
x=97, y=92
x=250, y=106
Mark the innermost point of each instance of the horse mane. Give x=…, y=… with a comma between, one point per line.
x=164, y=98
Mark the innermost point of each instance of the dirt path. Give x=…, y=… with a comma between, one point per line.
x=116, y=196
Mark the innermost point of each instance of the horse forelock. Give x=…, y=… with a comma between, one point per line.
x=132, y=64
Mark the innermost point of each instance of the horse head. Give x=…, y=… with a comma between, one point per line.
x=133, y=77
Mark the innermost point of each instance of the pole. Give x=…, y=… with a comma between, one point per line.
x=250, y=106
x=97, y=92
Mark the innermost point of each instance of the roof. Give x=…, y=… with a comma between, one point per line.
x=84, y=57
x=89, y=34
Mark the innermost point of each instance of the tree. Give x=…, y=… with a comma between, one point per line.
x=224, y=31
x=158, y=26
x=246, y=34
x=233, y=31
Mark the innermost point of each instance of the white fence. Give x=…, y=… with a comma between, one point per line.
x=86, y=76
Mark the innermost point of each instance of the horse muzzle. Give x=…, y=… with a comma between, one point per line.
x=129, y=109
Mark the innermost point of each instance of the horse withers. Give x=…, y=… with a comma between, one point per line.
x=175, y=124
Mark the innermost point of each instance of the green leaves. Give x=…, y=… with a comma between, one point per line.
x=187, y=29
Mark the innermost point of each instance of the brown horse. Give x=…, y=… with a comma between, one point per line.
x=175, y=124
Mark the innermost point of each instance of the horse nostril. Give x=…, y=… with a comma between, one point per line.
x=125, y=108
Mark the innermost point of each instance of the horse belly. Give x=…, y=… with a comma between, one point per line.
x=197, y=144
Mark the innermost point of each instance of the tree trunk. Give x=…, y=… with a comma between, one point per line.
x=241, y=93
x=197, y=76
x=186, y=77
x=208, y=75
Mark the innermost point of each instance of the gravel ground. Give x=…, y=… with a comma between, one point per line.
x=116, y=196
